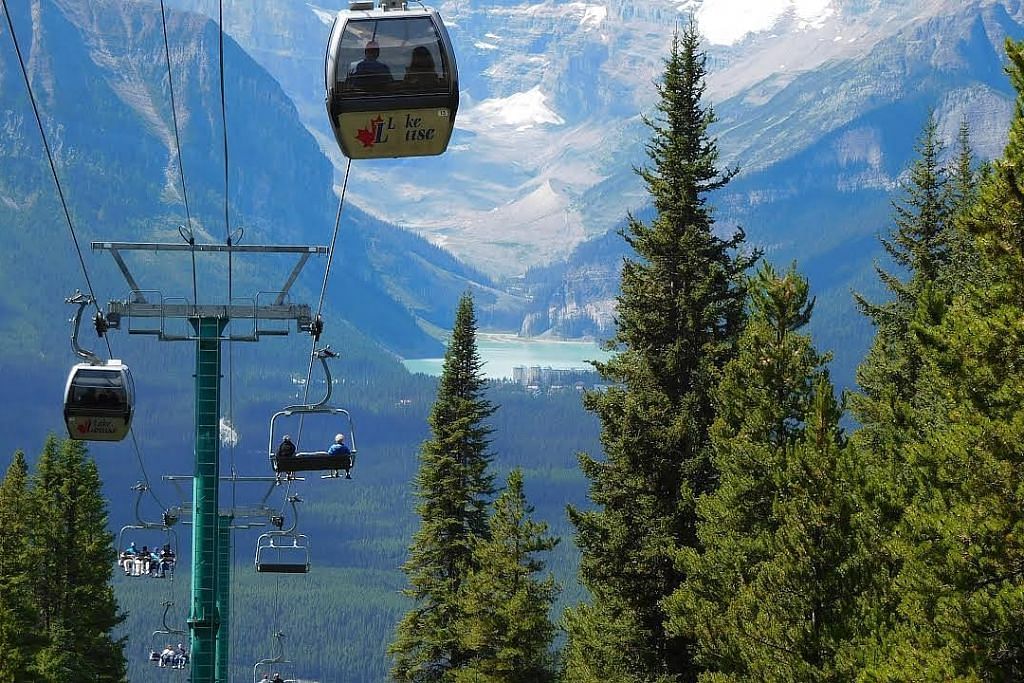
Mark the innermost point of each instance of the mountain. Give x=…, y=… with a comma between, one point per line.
x=823, y=153
x=97, y=71
x=819, y=103
x=549, y=127
x=99, y=75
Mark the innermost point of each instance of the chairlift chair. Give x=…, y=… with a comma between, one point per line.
x=405, y=105
x=319, y=460
x=315, y=460
x=167, y=636
x=279, y=552
x=168, y=542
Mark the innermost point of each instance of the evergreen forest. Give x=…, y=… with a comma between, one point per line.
x=715, y=511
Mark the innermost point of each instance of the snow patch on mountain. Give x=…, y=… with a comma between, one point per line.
x=593, y=15
x=521, y=111
x=726, y=22
x=326, y=16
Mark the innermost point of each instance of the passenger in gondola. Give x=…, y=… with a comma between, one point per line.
x=277, y=678
x=167, y=656
x=421, y=73
x=370, y=73
x=286, y=449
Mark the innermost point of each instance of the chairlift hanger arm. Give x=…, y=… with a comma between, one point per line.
x=81, y=300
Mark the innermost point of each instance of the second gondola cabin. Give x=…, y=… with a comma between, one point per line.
x=99, y=400
x=392, y=83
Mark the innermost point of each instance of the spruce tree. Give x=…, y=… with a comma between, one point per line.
x=748, y=601
x=679, y=314
x=20, y=634
x=896, y=405
x=920, y=242
x=506, y=624
x=72, y=558
x=963, y=262
x=961, y=584
x=453, y=487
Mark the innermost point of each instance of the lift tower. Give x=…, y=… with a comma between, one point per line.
x=207, y=325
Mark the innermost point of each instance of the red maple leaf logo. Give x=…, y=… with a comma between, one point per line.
x=368, y=135
x=83, y=426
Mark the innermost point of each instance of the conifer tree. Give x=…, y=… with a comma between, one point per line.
x=920, y=243
x=72, y=558
x=763, y=596
x=20, y=634
x=506, y=624
x=963, y=265
x=902, y=401
x=679, y=315
x=453, y=487
x=961, y=584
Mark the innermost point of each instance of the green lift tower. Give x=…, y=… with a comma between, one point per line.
x=208, y=326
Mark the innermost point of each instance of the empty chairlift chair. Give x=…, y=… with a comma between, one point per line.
x=279, y=552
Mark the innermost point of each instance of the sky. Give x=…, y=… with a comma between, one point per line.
x=724, y=22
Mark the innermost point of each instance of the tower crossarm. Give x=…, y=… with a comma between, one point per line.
x=152, y=304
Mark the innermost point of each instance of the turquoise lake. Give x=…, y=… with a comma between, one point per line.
x=502, y=352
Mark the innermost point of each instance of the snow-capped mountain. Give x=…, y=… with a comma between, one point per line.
x=549, y=127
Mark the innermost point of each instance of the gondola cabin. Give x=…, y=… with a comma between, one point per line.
x=392, y=83
x=98, y=401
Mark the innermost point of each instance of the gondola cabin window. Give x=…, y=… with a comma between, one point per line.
x=392, y=57
x=102, y=389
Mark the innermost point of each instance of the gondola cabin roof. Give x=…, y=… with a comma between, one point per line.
x=392, y=81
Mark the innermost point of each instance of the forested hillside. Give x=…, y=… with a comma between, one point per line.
x=724, y=522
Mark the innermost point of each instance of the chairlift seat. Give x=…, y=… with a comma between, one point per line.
x=282, y=553
x=314, y=461
x=282, y=567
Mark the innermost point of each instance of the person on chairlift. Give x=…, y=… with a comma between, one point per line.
x=286, y=449
x=341, y=451
x=338, y=447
